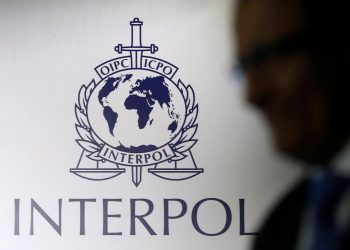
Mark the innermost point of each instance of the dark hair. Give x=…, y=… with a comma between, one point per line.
x=328, y=21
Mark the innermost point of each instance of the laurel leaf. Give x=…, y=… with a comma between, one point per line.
x=184, y=146
x=82, y=99
x=182, y=89
x=84, y=133
x=94, y=156
x=190, y=100
x=96, y=139
x=88, y=146
x=189, y=133
x=178, y=156
x=89, y=89
x=177, y=138
x=81, y=117
x=191, y=118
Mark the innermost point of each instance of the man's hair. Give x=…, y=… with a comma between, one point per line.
x=328, y=21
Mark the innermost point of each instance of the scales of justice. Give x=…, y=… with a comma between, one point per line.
x=180, y=166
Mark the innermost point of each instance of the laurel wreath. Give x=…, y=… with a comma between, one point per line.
x=90, y=142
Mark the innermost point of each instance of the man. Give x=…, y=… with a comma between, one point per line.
x=295, y=55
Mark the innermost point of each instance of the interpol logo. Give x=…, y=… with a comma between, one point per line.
x=136, y=116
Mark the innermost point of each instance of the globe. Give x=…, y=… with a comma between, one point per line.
x=136, y=111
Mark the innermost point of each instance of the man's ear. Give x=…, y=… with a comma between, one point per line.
x=347, y=54
x=346, y=58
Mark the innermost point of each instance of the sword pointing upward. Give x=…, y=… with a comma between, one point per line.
x=136, y=49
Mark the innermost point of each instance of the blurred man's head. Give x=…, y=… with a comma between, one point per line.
x=295, y=55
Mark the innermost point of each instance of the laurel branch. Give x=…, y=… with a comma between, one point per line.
x=88, y=139
x=184, y=141
x=90, y=142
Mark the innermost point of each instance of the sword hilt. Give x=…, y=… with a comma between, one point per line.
x=136, y=40
x=120, y=48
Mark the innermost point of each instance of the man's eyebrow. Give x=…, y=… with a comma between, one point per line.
x=280, y=47
x=243, y=1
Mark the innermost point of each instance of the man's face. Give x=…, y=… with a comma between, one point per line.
x=286, y=87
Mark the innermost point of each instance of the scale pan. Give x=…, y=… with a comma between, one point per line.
x=175, y=174
x=97, y=174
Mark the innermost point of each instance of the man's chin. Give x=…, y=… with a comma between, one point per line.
x=294, y=149
x=289, y=139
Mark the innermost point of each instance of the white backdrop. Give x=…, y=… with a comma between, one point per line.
x=48, y=49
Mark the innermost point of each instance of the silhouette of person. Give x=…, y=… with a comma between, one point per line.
x=295, y=57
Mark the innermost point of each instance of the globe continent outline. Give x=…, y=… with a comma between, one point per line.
x=93, y=121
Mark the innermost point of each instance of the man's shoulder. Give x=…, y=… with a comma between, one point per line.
x=281, y=228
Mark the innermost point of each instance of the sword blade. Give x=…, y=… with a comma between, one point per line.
x=136, y=173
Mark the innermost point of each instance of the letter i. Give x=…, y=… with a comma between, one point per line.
x=105, y=153
x=17, y=204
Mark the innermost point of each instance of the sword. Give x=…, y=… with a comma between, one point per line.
x=136, y=175
x=136, y=49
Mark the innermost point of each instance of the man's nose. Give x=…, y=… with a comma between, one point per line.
x=258, y=91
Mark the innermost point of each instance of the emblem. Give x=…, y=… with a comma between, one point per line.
x=136, y=116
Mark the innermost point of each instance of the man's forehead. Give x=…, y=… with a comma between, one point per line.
x=260, y=21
